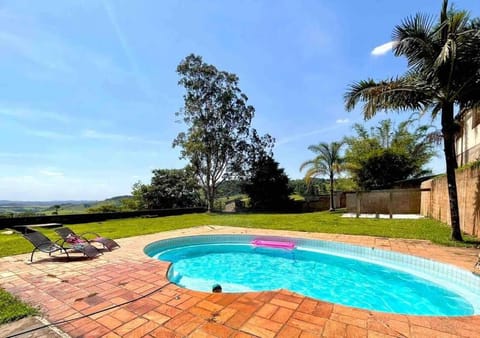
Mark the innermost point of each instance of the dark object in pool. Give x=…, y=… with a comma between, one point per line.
x=217, y=288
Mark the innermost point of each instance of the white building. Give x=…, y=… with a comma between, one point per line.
x=468, y=139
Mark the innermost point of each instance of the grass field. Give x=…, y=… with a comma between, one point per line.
x=325, y=222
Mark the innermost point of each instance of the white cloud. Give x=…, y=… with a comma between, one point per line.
x=289, y=139
x=90, y=133
x=343, y=121
x=49, y=134
x=93, y=134
x=51, y=173
x=20, y=155
x=142, y=81
x=51, y=52
x=383, y=49
x=43, y=52
x=32, y=114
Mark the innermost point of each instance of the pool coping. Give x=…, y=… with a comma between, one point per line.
x=69, y=289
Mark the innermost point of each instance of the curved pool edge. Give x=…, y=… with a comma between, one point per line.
x=458, y=279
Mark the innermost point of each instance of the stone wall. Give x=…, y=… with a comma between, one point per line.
x=392, y=201
x=435, y=202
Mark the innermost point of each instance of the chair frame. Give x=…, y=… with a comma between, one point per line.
x=65, y=232
x=43, y=243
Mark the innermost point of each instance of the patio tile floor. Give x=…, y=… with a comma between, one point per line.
x=153, y=307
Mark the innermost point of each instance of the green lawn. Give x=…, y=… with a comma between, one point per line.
x=12, y=309
x=325, y=222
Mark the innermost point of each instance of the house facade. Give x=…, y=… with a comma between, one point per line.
x=468, y=139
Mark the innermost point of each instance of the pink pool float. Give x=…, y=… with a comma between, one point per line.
x=274, y=244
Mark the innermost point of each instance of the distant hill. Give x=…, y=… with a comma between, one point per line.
x=5, y=203
x=48, y=207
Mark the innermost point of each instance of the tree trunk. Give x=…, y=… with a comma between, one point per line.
x=448, y=132
x=332, y=201
x=211, y=199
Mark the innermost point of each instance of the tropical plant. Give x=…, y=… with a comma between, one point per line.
x=219, y=142
x=328, y=161
x=443, y=57
x=378, y=158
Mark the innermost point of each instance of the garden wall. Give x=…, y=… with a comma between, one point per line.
x=435, y=202
x=392, y=201
x=322, y=202
x=95, y=217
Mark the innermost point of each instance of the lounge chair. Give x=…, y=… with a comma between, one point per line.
x=44, y=244
x=72, y=238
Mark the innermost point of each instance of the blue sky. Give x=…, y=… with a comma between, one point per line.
x=89, y=89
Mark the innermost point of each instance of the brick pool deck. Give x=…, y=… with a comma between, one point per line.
x=70, y=289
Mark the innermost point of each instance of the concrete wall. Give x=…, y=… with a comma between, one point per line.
x=322, y=202
x=394, y=201
x=435, y=201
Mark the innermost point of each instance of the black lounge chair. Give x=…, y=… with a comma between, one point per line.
x=71, y=237
x=44, y=244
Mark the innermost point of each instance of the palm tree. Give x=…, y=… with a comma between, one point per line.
x=327, y=162
x=443, y=73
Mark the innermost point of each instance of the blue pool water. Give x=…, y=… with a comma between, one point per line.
x=240, y=267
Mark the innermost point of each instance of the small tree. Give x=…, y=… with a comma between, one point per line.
x=56, y=207
x=386, y=154
x=219, y=142
x=268, y=187
x=169, y=188
x=327, y=162
x=382, y=169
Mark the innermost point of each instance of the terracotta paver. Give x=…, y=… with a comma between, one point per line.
x=142, y=303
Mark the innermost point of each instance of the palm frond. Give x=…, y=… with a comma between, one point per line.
x=413, y=39
x=394, y=94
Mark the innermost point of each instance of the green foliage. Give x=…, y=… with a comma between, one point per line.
x=169, y=188
x=229, y=188
x=219, y=142
x=268, y=187
x=383, y=169
x=104, y=208
x=316, y=187
x=56, y=207
x=471, y=165
x=11, y=308
x=297, y=197
x=378, y=158
x=345, y=184
x=128, y=204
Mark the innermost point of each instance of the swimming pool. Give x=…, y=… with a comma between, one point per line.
x=350, y=275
